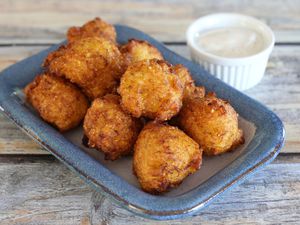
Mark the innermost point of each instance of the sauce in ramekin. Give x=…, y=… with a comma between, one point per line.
x=230, y=42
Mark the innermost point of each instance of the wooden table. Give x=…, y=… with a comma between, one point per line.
x=36, y=189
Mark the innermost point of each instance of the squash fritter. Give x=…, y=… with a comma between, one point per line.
x=163, y=157
x=109, y=129
x=149, y=88
x=190, y=89
x=93, y=63
x=57, y=101
x=93, y=28
x=137, y=50
x=212, y=123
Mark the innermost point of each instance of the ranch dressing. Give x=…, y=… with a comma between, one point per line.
x=231, y=42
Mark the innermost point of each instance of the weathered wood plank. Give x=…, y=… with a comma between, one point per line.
x=14, y=141
x=43, y=191
x=39, y=22
x=279, y=90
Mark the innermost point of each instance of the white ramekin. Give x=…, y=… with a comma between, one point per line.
x=241, y=73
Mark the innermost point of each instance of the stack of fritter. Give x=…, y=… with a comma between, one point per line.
x=134, y=96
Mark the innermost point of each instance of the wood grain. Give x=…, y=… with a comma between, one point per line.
x=279, y=90
x=34, y=22
x=36, y=189
x=43, y=191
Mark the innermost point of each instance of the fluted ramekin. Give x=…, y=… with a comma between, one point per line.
x=242, y=72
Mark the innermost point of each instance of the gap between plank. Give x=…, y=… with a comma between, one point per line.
x=178, y=43
x=33, y=158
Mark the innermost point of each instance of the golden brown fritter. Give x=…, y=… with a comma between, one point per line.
x=198, y=92
x=212, y=122
x=190, y=89
x=93, y=63
x=93, y=28
x=109, y=129
x=137, y=50
x=149, y=88
x=185, y=78
x=163, y=157
x=58, y=102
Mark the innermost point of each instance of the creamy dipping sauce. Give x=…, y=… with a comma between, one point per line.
x=231, y=42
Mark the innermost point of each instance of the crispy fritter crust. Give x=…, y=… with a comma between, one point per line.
x=58, y=102
x=93, y=28
x=93, y=63
x=149, y=88
x=212, y=122
x=190, y=89
x=163, y=157
x=109, y=129
x=198, y=92
x=137, y=50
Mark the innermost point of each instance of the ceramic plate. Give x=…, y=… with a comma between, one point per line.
x=264, y=135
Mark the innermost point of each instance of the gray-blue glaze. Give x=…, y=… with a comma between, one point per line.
x=263, y=148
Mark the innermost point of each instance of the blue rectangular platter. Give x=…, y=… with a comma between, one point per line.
x=262, y=148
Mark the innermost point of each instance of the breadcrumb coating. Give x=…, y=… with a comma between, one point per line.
x=150, y=88
x=163, y=157
x=212, y=123
x=57, y=101
x=109, y=129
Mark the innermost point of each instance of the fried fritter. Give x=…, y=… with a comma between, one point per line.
x=93, y=63
x=149, y=88
x=198, y=92
x=58, y=102
x=109, y=129
x=137, y=50
x=93, y=28
x=212, y=122
x=163, y=157
x=190, y=89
